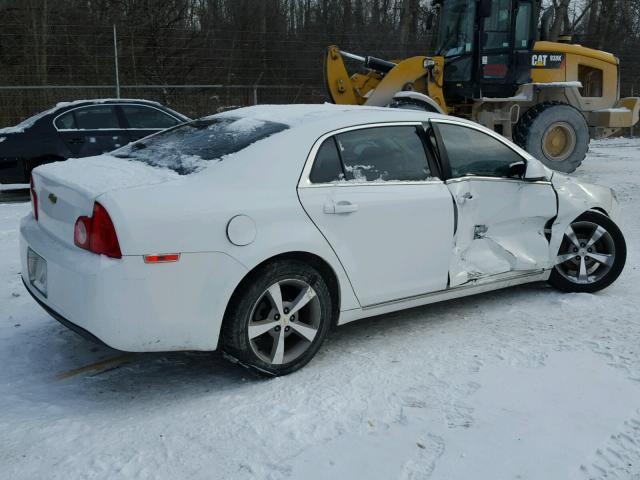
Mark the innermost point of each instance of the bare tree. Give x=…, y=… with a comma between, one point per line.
x=238, y=41
x=561, y=19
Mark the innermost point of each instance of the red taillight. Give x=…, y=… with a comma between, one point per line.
x=97, y=233
x=34, y=198
x=103, y=236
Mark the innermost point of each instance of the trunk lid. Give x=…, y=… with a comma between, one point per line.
x=68, y=190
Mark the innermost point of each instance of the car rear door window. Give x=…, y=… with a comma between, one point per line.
x=327, y=166
x=383, y=154
x=474, y=153
x=66, y=122
x=101, y=117
x=148, y=118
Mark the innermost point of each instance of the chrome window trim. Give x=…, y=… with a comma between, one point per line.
x=386, y=183
x=467, y=178
x=110, y=129
x=92, y=130
x=155, y=129
x=305, y=182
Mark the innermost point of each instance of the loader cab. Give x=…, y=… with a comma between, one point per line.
x=487, y=46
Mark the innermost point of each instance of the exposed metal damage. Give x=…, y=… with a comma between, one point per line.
x=501, y=228
x=574, y=198
x=496, y=236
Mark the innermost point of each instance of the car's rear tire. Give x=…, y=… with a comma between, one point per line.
x=592, y=255
x=278, y=318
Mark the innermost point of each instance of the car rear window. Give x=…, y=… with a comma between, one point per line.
x=140, y=116
x=189, y=148
x=96, y=118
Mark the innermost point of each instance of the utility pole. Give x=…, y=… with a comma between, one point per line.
x=115, y=56
x=631, y=130
x=255, y=89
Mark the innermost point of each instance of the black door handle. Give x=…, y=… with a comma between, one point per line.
x=76, y=141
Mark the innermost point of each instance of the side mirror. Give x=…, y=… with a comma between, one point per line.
x=485, y=8
x=535, y=170
x=518, y=169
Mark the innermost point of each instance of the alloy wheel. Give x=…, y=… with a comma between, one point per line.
x=587, y=253
x=284, y=321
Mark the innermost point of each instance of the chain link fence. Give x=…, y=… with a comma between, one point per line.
x=194, y=72
x=20, y=102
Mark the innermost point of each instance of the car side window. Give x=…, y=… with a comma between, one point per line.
x=471, y=152
x=383, y=154
x=96, y=118
x=327, y=167
x=66, y=122
x=139, y=116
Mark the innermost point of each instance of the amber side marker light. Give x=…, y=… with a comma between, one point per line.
x=164, y=258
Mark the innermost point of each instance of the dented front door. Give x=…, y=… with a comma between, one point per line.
x=501, y=217
x=501, y=227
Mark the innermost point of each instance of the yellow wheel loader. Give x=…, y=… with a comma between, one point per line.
x=494, y=66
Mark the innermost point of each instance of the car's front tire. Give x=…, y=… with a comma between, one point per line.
x=592, y=255
x=278, y=318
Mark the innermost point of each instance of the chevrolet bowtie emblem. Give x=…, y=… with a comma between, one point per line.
x=53, y=198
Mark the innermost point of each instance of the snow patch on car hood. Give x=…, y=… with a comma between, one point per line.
x=104, y=173
x=22, y=126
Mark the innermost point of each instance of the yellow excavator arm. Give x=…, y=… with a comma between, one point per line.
x=383, y=80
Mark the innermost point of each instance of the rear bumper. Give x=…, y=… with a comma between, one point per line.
x=127, y=304
x=71, y=326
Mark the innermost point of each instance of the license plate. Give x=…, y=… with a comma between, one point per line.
x=37, y=271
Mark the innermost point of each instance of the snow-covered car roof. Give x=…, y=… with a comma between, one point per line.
x=343, y=115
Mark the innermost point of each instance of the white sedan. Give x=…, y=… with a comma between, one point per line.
x=256, y=230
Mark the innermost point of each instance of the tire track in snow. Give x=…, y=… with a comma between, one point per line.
x=97, y=367
x=619, y=457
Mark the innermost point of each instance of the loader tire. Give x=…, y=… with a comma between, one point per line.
x=555, y=133
x=412, y=104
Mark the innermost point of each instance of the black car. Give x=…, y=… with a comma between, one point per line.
x=78, y=129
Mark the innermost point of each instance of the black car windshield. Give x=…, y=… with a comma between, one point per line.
x=191, y=147
x=455, y=36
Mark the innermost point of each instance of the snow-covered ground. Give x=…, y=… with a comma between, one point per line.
x=527, y=383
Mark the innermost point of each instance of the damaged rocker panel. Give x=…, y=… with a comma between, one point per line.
x=473, y=287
